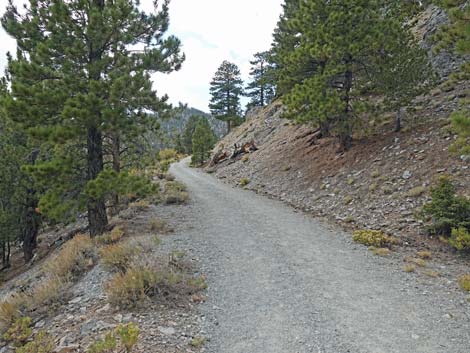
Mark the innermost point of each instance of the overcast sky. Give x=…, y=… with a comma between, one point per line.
x=211, y=31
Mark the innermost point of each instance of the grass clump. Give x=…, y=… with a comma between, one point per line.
x=464, y=282
x=175, y=193
x=198, y=342
x=432, y=273
x=141, y=283
x=140, y=206
x=117, y=257
x=11, y=308
x=418, y=262
x=73, y=259
x=409, y=268
x=375, y=174
x=111, y=237
x=416, y=192
x=158, y=225
x=374, y=238
x=244, y=181
x=425, y=255
x=47, y=292
x=380, y=251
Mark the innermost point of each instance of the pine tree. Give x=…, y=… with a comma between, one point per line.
x=261, y=88
x=226, y=90
x=187, y=137
x=203, y=141
x=457, y=36
x=81, y=75
x=344, y=47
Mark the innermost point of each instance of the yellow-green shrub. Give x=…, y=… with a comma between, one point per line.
x=166, y=154
x=128, y=334
x=10, y=309
x=244, y=181
x=460, y=239
x=19, y=332
x=464, y=282
x=42, y=343
x=373, y=238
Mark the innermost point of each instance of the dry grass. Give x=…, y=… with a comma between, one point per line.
x=117, y=257
x=409, y=268
x=416, y=192
x=73, y=259
x=244, y=181
x=380, y=251
x=432, y=273
x=158, y=225
x=111, y=237
x=46, y=292
x=425, y=255
x=418, y=262
x=140, y=206
x=464, y=282
x=141, y=283
x=11, y=309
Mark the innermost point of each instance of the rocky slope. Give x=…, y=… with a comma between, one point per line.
x=380, y=183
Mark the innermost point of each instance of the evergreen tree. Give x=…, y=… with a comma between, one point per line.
x=203, y=141
x=344, y=48
x=457, y=36
x=187, y=137
x=260, y=89
x=82, y=73
x=226, y=89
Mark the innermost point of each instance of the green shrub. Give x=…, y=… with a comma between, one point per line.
x=244, y=181
x=167, y=154
x=373, y=238
x=111, y=237
x=460, y=239
x=19, y=332
x=42, y=343
x=128, y=334
x=447, y=210
x=108, y=344
x=175, y=193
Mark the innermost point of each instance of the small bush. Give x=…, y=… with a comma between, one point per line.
x=117, y=256
x=431, y=273
x=245, y=158
x=373, y=238
x=138, y=284
x=418, y=262
x=175, y=186
x=460, y=239
x=464, y=282
x=167, y=154
x=373, y=187
x=140, y=206
x=416, y=192
x=128, y=336
x=112, y=237
x=409, y=268
x=425, y=255
x=73, y=259
x=447, y=210
x=42, y=343
x=198, y=342
x=169, y=177
x=375, y=174
x=158, y=225
x=244, y=181
x=19, y=332
x=175, y=197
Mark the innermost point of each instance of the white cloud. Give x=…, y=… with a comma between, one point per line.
x=211, y=31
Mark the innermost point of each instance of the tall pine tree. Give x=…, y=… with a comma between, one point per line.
x=74, y=59
x=261, y=88
x=203, y=141
x=344, y=47
x=226, y=90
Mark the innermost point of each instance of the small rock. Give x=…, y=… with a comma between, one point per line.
x=166, y=330
x=75, y=300
x=406, y=175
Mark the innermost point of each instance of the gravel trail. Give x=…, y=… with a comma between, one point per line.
x=281, y=282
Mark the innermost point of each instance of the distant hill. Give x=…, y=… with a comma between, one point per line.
x=169, y=128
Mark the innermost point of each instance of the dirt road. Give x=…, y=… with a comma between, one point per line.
x=281, y=282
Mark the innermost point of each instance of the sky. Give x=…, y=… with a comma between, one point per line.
x=211, y=31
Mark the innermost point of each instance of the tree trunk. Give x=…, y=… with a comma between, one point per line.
x=229, y=126
x=398, y=120
x=97, y=218
x=345, y=134
x=116, y=151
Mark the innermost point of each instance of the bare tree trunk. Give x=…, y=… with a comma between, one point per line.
x=345, y=135
x=97, y=218
x=398, y=120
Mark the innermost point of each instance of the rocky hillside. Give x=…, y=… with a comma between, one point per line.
x=380, y=183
